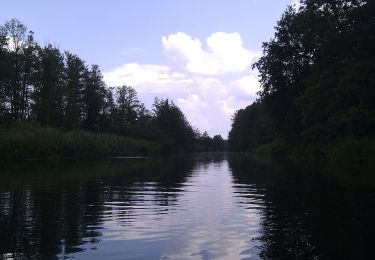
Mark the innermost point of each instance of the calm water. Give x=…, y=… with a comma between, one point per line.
x=197, y=207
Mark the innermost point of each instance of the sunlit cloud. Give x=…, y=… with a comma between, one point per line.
x=135, y=74
x=223, y=54
x=248, y=84
x=208, y=83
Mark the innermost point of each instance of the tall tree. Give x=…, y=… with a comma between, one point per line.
x=127, y=105
x=172, y=122
x=48, y=95
x=94, y=94
x=76, y=72
x=5, y=75
x=109, y=110
x=21, y=49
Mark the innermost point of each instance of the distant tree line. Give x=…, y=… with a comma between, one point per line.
x=318, y=82
x=58, y=89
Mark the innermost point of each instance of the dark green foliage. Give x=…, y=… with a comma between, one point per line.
x=317, y=77
x=30, y=141
x=94, y=93
x=204, y=143
x=251, y=128
x=173, y=125
x=76, y=72
x=218, y=143
x=17, y=58
x=48, y=95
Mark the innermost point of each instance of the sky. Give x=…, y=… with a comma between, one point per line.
x=194, y=52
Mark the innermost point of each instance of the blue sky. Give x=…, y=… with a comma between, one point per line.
x=198, y=53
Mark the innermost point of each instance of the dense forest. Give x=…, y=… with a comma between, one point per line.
x=318, y=85
x=52, y=102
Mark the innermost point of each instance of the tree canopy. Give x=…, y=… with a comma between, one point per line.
x=317, y=78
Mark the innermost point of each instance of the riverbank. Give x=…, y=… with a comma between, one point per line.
x=30, y=141
x=341, y=156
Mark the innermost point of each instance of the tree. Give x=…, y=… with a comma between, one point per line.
x=127, y=105
x=48, y=95
x=218, y=143
x=317, y=78
x=251, y=128
x=19, y=55
x=76, y=72
x=94, y=93
x=109, y=111
x=173, y=124
x=5, y=75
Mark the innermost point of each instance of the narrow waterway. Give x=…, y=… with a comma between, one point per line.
x=195, y=207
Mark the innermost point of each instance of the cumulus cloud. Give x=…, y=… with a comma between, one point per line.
x=224, y=53
x=248, y=84
x=136, y=74
x=195, y=110
x=209, y=83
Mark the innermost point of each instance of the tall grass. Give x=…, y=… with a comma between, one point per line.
x=28, y=141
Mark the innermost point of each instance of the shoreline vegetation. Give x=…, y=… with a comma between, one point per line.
x=317, y=101
x=30, y=141
x=25, y=141
x=54, y=105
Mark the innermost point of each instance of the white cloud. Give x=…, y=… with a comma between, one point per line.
x=195, y=110
x=208, y=85
x=296, y=4
x=248, y=84
x=192, y=102
x=225, y=53
x=136, y=74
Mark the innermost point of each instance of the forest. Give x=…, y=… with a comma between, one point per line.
x=318, y=86
x=53, y=104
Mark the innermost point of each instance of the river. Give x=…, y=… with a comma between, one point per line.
x=210, y=206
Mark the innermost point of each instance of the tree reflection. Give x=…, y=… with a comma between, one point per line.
x=47, y=210
x=306, y=213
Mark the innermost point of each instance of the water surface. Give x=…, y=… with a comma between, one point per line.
x=193, y=207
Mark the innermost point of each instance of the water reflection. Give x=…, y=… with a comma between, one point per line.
x=62, y=209
x=200, y=207
x=307, y=213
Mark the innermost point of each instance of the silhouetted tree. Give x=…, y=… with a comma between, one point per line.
x=94, y=93
x=18, y=50
x=127, y=104
x=173, y=124
x=48, y=95
x=76, y=72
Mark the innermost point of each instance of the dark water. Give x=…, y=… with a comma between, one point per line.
x=196, y=207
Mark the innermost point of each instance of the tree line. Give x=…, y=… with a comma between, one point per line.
x=58, y=89
x=317, y=77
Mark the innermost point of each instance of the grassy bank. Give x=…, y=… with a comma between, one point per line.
x=30, y=141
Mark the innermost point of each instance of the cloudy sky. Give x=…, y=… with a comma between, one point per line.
x=196, y=52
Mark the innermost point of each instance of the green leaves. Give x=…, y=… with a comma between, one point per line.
x=317, y=77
